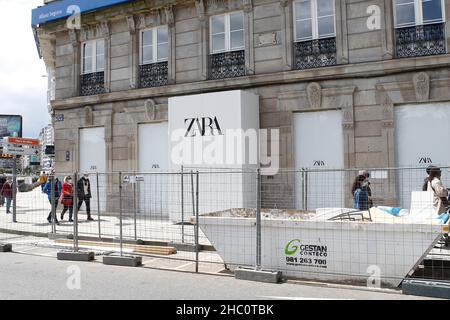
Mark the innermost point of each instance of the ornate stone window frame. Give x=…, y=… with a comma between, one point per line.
x=208, y=8
x=155, y=18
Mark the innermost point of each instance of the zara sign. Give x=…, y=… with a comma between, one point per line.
x=204, y=126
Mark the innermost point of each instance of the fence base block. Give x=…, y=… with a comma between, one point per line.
x=257, y=275
x=426, y=289
x=75, y=256
x=5, y=247
x=56, y=236
x=125, y=261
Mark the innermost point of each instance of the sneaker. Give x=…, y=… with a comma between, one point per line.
x=90, y=219
x=70, y=220
x=49, y=220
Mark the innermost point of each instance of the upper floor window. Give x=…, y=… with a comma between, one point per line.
x=227, y=41
x=92, y=79
x=154, y=56
x=227, y=32
x=315, y=34
x=314, y=19
x=93, y=56
x=154, y=45
x=418, y=12
x=419, y=28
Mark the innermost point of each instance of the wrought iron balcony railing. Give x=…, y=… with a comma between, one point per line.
x=227, y=65
x=153, y=74
x=92, y=83
x=420, y=41
x=315, y=53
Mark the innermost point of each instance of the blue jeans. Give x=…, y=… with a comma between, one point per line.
x=8, y=204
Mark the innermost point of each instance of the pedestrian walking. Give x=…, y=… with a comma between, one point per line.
x=440, y=193
x=367, y=186
x=7, y=193
x=425, y=182
x=360, y=195
x=2, y=182
x=53, y=189
x=67, y=197
x=84, y=194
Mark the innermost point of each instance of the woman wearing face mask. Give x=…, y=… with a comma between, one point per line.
x=360, y=195
x=67, y=198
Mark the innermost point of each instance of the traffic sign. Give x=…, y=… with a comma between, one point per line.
x=21, y=151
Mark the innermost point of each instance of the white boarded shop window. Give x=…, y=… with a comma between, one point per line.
x=418, y=12
x=154, y=45
x=314, y=19
x=422, y=133
x=316, y=188
x=227, y=32
x=93, y=56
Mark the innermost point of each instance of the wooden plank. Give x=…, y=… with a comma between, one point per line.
x=136, y=248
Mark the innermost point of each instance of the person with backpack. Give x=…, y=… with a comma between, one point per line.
x=56, y=193
x=440, y=193
x=7, y=193
x=360, y=195
x=84, y=194
x=67, y=197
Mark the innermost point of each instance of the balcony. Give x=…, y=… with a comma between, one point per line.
x=227, y=65
x=92, y=83
x=153, y=75
x=315, y=53
x=418, y=41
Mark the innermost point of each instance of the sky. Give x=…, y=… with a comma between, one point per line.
x=23, y=89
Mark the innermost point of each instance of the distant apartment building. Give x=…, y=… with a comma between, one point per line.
x=46, y=136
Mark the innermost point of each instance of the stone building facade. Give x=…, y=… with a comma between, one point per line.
x=367, y=67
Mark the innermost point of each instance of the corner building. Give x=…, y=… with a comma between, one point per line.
x=366, y=80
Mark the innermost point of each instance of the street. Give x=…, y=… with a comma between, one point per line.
x=36, y=277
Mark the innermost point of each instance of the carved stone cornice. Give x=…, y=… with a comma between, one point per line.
x=284, y=3
x=131, y=21
x=156, y=17
x=387, y=106
x=73, y=36
x=248, y=6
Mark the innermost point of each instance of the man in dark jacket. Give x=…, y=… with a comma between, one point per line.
x=47, y=189
x=2, y=182
x=84, y=194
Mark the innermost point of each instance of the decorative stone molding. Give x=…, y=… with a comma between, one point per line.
x=248, y=6
x=267, y=39
x=150, y=109
x=201, y=10
x=314, y=92
x=73, y=36
x=88, y=116
x=215, y=5
x=387, y=106
x=170, y=19
x=156, y=17
x=131, y=24
x=284, y=3
x=348, y=119
x=100, y=30
x=421, y=83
